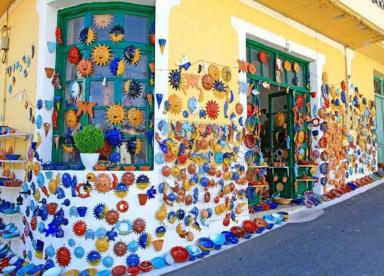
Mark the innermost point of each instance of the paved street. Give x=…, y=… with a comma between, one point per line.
x=347, y=240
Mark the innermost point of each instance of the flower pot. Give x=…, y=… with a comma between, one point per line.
x=142, y=199
x=89, y=160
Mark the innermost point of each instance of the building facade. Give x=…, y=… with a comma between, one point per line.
x=209, y=110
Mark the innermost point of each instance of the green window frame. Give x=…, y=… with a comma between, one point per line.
x=270, y=66
x=378, y=84
x=120, y=12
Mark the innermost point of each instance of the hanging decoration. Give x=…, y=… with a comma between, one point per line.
x=115, y=114
x=135, y=117
x=85, y=67
x=132, y=89
x=74, y=55
x=132, y=55
x=212, y=109
x=71, y=118
x=175, y=104
x=87, y=36
x=117, y=33
x=117, y=67
x=85, y=108
x=102, y=21
x=101, y=55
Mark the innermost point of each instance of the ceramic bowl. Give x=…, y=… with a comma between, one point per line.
x=205, y=244
x=158, y=262
x=179, y=254
x=218, y=239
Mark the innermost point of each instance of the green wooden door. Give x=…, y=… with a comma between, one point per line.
x=380, y=127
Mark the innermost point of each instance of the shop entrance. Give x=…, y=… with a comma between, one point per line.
x=278, y=126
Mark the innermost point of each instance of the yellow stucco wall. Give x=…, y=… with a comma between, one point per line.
x=24, y=32
x=363, y=70
x=203, y=30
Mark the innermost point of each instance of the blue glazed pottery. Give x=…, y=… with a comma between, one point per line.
x=158, y=262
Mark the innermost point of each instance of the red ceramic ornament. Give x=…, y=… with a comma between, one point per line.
x=133, y=270
x=106, y=150
x=79, y=228
x=58, y=34
x=152, y=39
x=139, y=225
x=119, y=270
x=145, y=266
x=122, y=206
x=120, y=248
x=207, y=82
x=263, y=57
x=226, y=219
x=300, y=102
x=55, y=115
x=128, y=178
x=343, y=85
x=212, y=109
x=111, y=217
x=74, y=55
x=252, y=69
x=63, y=256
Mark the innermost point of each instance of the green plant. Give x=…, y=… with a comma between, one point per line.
x=89, y=140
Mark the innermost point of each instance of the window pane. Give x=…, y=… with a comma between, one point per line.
x=136, y=28
x=137, y=71
x=291, y=76
x=73, y=30
x=254, y=58
x=300, y=76
x=101, y=71
x=99, y=119
x=127, y=157
x=102, y=24
x=140, y=101
x=377, y=84
x=102, y=95
x=268, y=67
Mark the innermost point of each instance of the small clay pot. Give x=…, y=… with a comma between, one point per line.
x=142, y=199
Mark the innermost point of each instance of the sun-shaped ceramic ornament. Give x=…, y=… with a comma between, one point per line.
x=102, y=21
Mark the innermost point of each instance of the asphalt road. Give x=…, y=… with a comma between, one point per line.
x=347, y=240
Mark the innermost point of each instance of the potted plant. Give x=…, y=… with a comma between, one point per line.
x=89, y=142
